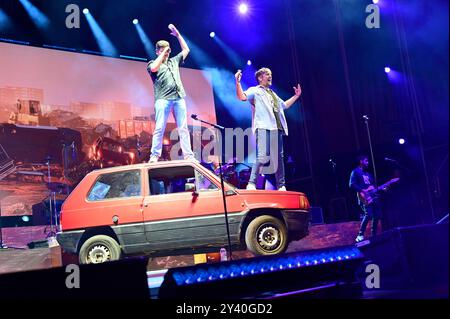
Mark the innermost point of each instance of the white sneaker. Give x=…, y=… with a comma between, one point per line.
x=359, y=238
x=192, y=159
x=251, y=187
x=282, y=188
x=153, y=159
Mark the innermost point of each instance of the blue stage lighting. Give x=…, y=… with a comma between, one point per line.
x=85, y=10
x=5, y=21
x=387, y=69
x=249, y=62
x=102, y=39
x=243, y=8
x=233, y=269
x=401, y=141
x=375, y=1
x=212, y=34
x=135, y=21
x=230, y=52
x=149, y=47
x=38, y=18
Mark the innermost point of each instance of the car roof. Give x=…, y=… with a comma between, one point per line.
x=142, y=165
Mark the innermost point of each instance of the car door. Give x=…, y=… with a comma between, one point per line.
x=115, y=199
x=177, y=216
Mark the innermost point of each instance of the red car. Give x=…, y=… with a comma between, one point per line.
x=174, y=206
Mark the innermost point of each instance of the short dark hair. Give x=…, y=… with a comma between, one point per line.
x=361, y=157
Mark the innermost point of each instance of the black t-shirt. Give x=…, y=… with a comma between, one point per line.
x=360, y=180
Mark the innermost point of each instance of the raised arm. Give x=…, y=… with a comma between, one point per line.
x=293, y=99
x=184, y=47
x=239, y=91
x=154, y=66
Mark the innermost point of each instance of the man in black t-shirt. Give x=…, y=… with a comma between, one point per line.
x=169, y=95
x=360, y=181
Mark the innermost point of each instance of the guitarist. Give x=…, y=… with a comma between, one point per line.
x=360, y=180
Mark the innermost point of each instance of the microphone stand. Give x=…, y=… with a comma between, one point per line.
x=333, y=168
x=366, y=121
x=221, y=128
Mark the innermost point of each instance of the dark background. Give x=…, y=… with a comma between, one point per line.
x=325, y=46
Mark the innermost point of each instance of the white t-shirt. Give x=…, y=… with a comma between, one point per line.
x=263, y=116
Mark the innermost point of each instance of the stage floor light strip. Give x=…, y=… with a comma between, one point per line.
x=14, y=41
x=132, y=57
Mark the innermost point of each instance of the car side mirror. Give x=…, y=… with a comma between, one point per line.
x=190, y=187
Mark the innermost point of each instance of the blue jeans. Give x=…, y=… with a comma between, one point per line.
x=162, y=111
x=269, y=150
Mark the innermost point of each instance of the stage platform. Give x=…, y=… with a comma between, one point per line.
x=21, y=258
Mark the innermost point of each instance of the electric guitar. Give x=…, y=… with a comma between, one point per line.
x=368, y=195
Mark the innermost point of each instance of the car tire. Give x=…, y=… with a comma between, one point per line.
x=99, y=249
x=266, y=235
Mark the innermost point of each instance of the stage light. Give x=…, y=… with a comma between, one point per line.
x=135, y=21
x=387, y=69
x=36, y=15
x=212, y=34
x=401, y=141
x=375, y=1
x=85, y=10
x=148, y=44
x=238, y=278
x=102, y=39
x=243, y=8
x=5, y=21
x=249, y=62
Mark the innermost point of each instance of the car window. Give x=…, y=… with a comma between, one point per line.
x=178, y=180
x=116, y=185
x=204, y=183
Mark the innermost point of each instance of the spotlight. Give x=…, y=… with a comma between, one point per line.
x=387, y=69
x=212, y=34
x=85, y=10
x=375, y=1
x=249, y=62
x=135, y=21
x=401, y=141
x=243, y=8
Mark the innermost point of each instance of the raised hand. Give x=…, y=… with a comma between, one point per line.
x=297, y=90
x=238, y=75
x=174, y=30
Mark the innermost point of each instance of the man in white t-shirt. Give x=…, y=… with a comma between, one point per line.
x=268, y=124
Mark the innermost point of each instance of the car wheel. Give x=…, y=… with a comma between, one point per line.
x=266, y=235
x=99, y=249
